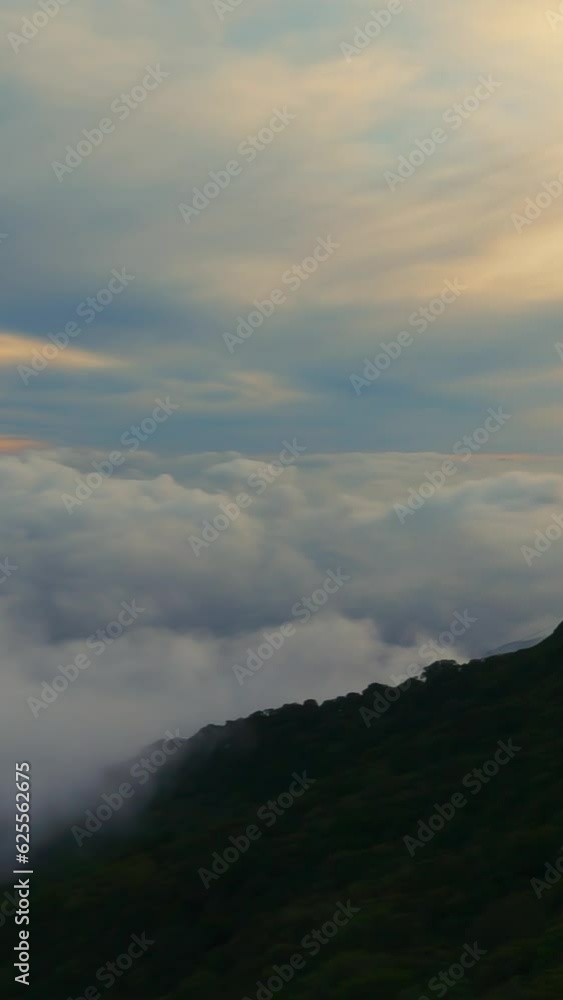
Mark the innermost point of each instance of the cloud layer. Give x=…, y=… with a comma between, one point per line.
x=200, y=609
x=352, y=120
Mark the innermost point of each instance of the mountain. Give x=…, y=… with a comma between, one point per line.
x=399, y=843
x=512, y=647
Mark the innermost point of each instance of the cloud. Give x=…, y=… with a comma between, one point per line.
x=16, y=350
x=323, y=174
x=13, y=445
x=237, y=391
x=129, y=541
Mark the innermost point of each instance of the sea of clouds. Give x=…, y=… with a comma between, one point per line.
x=129, y=542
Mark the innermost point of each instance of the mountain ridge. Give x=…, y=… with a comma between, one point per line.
x=359, y=834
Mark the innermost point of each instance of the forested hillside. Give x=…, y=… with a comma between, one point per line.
x=418, y=824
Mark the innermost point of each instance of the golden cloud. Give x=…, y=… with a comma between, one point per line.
x=18, y=350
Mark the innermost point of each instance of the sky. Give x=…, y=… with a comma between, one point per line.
x=321, y=235
x=225, y=74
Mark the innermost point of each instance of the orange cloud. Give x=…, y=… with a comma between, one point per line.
x=18, y=350
x=12, y=445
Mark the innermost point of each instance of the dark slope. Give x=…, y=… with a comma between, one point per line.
x=341, y=840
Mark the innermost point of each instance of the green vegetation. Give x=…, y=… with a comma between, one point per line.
x=340, y=841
